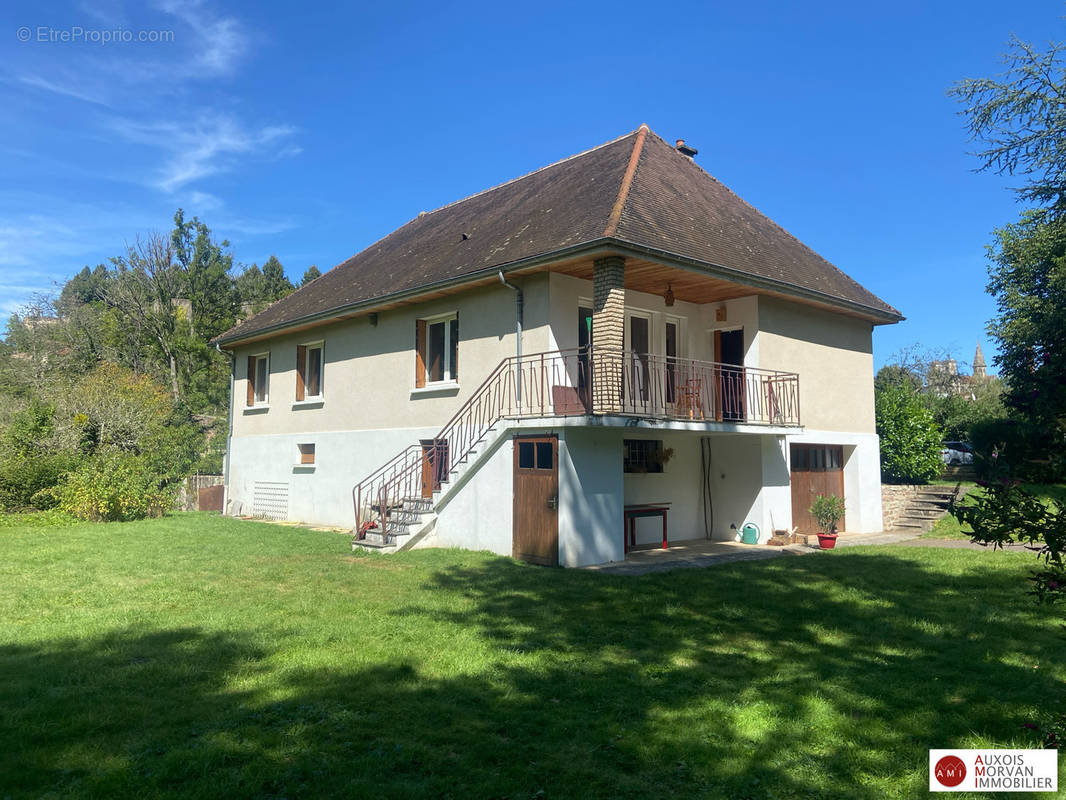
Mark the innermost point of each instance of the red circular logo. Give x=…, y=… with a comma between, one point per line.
x=950, y=771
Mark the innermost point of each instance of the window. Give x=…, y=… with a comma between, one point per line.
x=817, y=458
x=437, y=350
x=309, y=371
x=307, y=453
x=535, y=455
x=258, y=379
x=643, y=455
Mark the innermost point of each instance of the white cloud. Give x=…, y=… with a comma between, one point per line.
x=221, y=42
x=203, y=148
x=66, y=90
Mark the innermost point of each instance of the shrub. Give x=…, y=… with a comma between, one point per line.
x=112, y=488
x=24, y=479
x=910, y=437
x=827, y=509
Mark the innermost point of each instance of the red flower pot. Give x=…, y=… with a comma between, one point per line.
x=827, y=541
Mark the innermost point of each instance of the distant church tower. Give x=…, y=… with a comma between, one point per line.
x=979, y=363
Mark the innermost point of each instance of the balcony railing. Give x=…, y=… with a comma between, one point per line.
x=601, y=381
x=577, y=383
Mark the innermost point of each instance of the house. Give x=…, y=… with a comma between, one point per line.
x=543, y=368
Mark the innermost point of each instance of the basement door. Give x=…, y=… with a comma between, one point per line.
x=535, y=534
x=816, y=469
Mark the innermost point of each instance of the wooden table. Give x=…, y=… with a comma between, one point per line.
x=635, y=510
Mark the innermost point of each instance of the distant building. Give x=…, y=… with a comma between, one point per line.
x=945, y=379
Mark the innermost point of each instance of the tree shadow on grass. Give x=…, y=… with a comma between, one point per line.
x=818, y=677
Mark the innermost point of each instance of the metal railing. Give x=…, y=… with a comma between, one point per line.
x=573, y=383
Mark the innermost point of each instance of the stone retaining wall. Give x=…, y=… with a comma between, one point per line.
x=894, y=499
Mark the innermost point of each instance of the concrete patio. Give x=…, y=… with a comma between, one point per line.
x=705, y=553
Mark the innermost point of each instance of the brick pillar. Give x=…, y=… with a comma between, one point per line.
x=608, y=331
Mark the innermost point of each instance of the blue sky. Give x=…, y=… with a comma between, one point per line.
x=309, y=132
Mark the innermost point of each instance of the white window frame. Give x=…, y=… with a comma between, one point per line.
x=319, y=344
x=256, y=402
x=444, y=319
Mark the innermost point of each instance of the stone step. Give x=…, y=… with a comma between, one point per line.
x=365, y=544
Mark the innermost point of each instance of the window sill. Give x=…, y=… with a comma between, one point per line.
x=438, y=389
x=257, y=409
x=303, y=467
x=316, y=403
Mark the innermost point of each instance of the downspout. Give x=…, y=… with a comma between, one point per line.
x=519, y=300
x=229, y=429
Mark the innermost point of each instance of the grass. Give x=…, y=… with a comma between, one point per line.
x=949, y=527
x=197, y=656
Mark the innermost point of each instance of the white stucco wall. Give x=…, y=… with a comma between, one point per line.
x=833, y=355
x=591, y=496
x=322, y=495
x=478, y=514
x=678, y=484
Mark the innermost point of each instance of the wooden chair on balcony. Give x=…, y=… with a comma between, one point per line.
x=690, y=398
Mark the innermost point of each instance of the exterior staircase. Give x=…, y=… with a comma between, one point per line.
x=926, y=506
x=414, y=517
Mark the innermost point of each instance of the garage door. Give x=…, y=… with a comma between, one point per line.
x=816, y=469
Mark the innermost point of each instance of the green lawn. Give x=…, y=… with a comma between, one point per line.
x=203, y=657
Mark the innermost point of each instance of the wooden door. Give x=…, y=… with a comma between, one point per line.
x=536, y=499
x=816, y=469
x=434, y=466
x=730, y=384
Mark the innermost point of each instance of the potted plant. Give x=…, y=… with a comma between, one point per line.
x=827, y=510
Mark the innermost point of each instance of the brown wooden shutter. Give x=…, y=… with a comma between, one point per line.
x=251, y=380
x=301, y=367
x=420, y=352
x=455, y=348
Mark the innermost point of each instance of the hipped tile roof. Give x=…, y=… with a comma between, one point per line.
x=635, y=190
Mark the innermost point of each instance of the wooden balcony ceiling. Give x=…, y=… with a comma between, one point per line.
x=645, y=276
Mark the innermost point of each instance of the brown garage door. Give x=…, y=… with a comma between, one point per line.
x=816, y=469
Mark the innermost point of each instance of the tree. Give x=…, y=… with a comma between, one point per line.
x=276, y=285
x=207, y=285
x=257, y=288
x=896, y=376
x=310, y=274
x=1028, y=279
x=144, y=286
x=212, y=304
x=910, y=437
x=1019, y=117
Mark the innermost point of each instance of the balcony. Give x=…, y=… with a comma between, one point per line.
x=604, y=382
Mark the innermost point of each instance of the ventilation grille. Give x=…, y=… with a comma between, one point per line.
x=270, y=500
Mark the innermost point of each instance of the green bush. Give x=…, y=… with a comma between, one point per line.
x=25, y=477
x=827, y=509
x=1021, y=445
x=112, y=488
x=910, y=437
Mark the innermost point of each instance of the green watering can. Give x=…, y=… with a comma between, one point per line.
x=749, y=534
